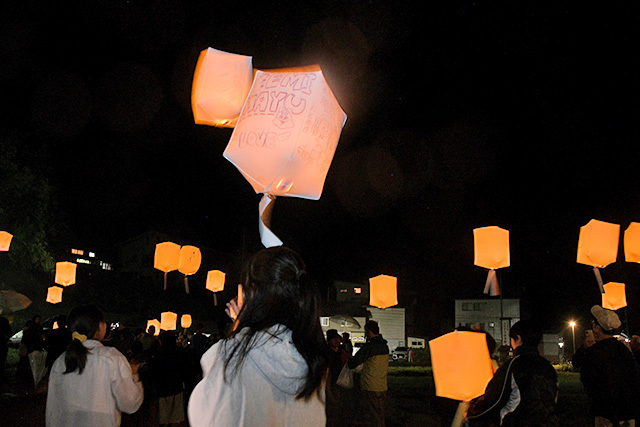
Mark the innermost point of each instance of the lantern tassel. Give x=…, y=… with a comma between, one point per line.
x=165, y=280
x=266, y=235
x=458, y=419
x=215, y=299
x=492, y=287
x=596, y=271
x=186, y=284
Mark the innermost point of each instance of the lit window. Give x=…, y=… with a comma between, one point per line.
x=77, y=251
x=324, y=321
x=357, y=290
x=83, y=261
x=343, y=291
x=91, y=255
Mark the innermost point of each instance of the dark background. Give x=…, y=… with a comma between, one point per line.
x=461, y=114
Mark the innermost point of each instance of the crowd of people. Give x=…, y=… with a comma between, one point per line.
x=276, y=367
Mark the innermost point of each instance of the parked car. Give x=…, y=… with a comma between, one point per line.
x=400, y=353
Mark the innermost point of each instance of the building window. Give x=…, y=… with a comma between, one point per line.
x=477, y=306
x=92, y=255
x=83, y=261
x=466, y=306
x=357, y=290
x=77, y=251
x=324, y=321
x=343, y=291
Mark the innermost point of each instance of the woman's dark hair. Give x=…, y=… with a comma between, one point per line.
x=278, y=291
x=85, y=320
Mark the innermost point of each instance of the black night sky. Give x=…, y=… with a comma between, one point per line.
x=461, y=114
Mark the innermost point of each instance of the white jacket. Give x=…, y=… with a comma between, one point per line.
x=96, y=397
x=262, y=393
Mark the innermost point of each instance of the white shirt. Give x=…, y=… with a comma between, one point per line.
x=96, y=397
x=262, y=393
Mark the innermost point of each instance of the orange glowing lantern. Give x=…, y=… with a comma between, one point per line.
x=221, y=84
x=168, y=321
x=614, y=296
x=185, y=321
x=190, y=259
x=383, y=291
x=166, y=258
x=286, y=136
x=461, y=365
x=5, y=241
x=632, y=243
x=65, y=273
x=54, y=295
x=598, y=246
x=215, y=283
x=491, y=250
x=155, y=324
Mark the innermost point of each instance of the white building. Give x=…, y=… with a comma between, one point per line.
x=494, y=316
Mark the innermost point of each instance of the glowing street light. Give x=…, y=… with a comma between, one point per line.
x=573, y=334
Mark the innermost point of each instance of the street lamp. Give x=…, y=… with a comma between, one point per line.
x=573, y=334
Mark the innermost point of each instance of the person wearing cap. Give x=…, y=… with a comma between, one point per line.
x=610, y=373
x=522, y=392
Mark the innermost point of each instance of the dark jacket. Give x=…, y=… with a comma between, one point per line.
x=523, y=392
x=610, y=377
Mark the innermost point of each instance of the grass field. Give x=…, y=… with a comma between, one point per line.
x=412, y=400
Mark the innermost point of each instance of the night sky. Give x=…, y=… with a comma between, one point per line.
x=461, y=114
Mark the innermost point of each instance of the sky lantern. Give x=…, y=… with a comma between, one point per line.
x=598, y=246
x=215, y=283
x=632, y=243
x=168, y=321
x=166, y=258
x=461, y=364
x=5, y=240
x=614, y=296
x=185, y=321
x=65, y=273
x=285, y=138
x=383, y=291
x=221, y=84
x=54, y=295
x=190, y=259
x=491, y=250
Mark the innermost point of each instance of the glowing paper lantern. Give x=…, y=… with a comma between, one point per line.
x=461, y=365
x=285, y=138
x=190, y=259
x=65, y=273
x=185, y=321
x=491, y=250
x=598, y=246
x=166, y=258
x=221, y=84
x=632, y=243
x=54, y=295
x=5, y=240
x=383, y=291
x=215, y=283
x=614, y=296
x=155, y=324
x=168, y=321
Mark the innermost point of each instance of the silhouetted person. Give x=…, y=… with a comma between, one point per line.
x=522, y=392
x=610, y=373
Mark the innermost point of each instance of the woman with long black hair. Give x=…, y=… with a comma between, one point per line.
x=90, y=384
x=272, y=369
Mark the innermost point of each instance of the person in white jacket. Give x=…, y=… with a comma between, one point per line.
x=90, y=384
x=272, y=369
